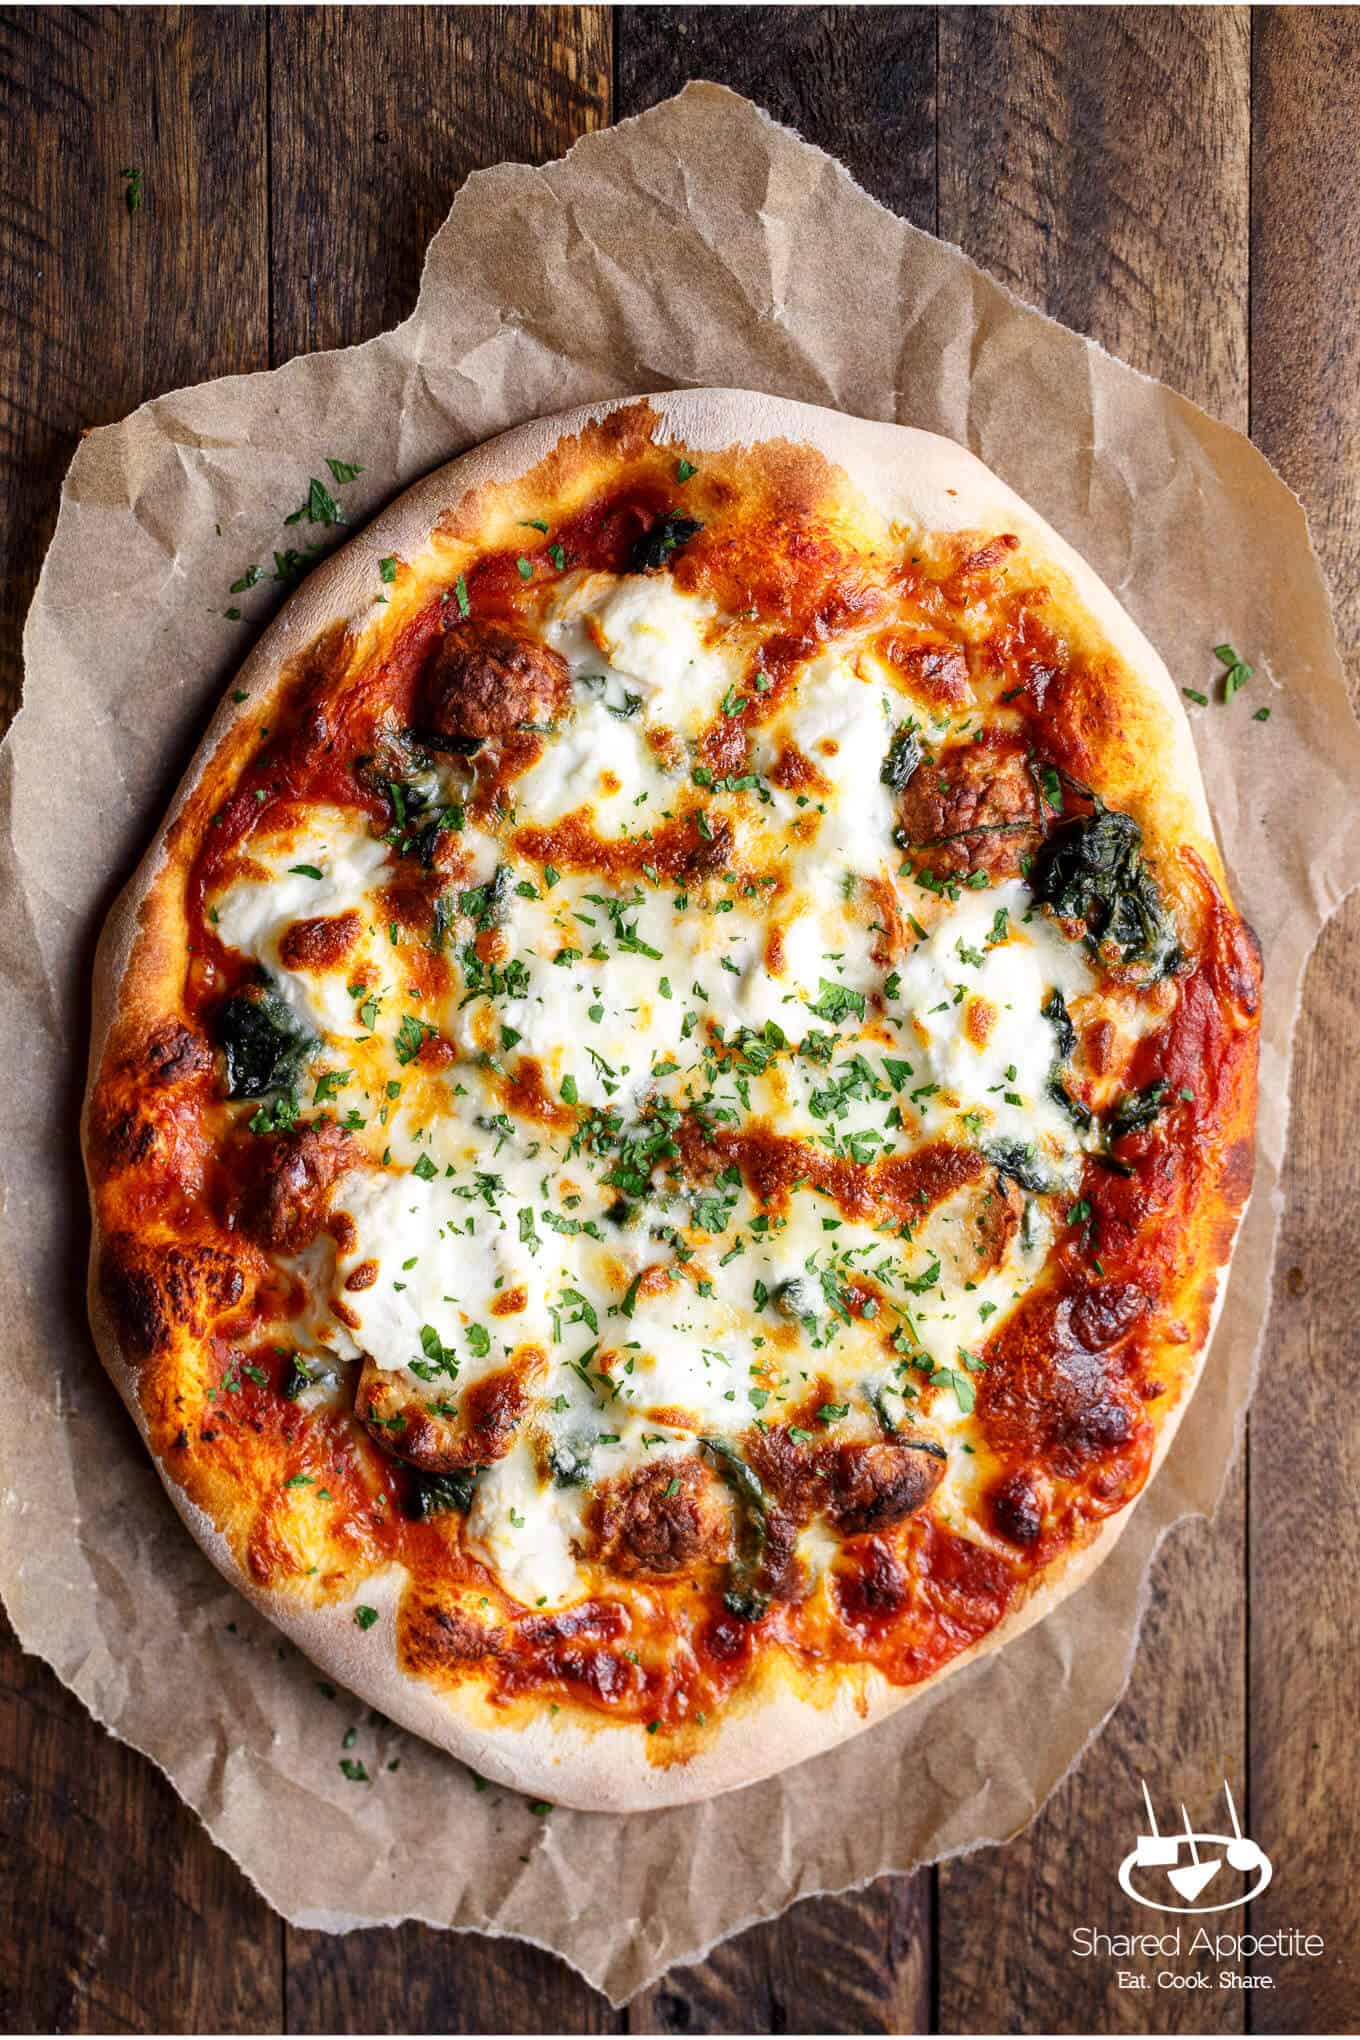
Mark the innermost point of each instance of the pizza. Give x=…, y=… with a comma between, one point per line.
x=670, y=1106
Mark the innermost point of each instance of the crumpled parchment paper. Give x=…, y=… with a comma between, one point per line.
x=699, y=244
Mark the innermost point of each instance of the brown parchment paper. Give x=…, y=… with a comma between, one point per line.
x=699, y=244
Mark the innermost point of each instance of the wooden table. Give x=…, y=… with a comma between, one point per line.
x=1183, y=184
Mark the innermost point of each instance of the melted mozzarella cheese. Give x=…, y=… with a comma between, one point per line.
x=641, y=636
x=254, y=913
x=972, y=1000
x=527, y=1530
x=841, y=724
x=441, y=1261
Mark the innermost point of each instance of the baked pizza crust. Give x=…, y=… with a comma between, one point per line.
x=908, y=475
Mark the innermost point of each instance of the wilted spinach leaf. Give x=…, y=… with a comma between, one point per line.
x=1020, y=1160
x=263, y=1044
x=1055, y=1010
x=666, y=537
x=1136, y=1110
x=904, y=754
x=1092, y=870
x=746, y=1596
x=569, y=1459
x=430, y=1494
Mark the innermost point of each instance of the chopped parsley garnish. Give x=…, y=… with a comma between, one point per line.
x=319, y=508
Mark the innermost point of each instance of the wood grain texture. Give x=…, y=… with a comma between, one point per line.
x=417, y=1980
x=120, y=1913
x=854, y=1964
x=1305, y=1470
x=861, y=84
x=376, y=117
x=1097, y=160
x=100, y=308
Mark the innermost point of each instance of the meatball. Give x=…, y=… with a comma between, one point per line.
x=490, y=677
x=286, y=1205
x=871, y=1487
x=668, y=1517
x=438, y=1429
x=974, y=807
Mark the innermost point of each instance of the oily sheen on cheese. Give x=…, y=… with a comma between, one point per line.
x=623, y=989
x=669, y=1106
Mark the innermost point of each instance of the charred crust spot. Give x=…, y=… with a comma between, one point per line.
x=122, y=1140
x=669, y=1516
x=320, y=943
x=173, y=1054
x=133, y=1301
x=490, y=676
x=975, y=558
x=362, y=1277
x=873, y=1587
x=435, y=1638
x=149, y=1290
x=1238, y=1170
x=1045, y=1389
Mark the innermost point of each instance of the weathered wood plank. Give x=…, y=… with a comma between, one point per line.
x=1305, y=1445
x=100, y=308
x=120, y=1913
x=378, y=115
x=857, y=1964
x=419, y=1980
x=860, y=83
x=1097, y=161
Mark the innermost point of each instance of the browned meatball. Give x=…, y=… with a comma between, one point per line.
x=874, y=1486
x=974, y=807
x=439, y=1428
x=490, y=677
x=669, y=1517
x=285, y=1206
